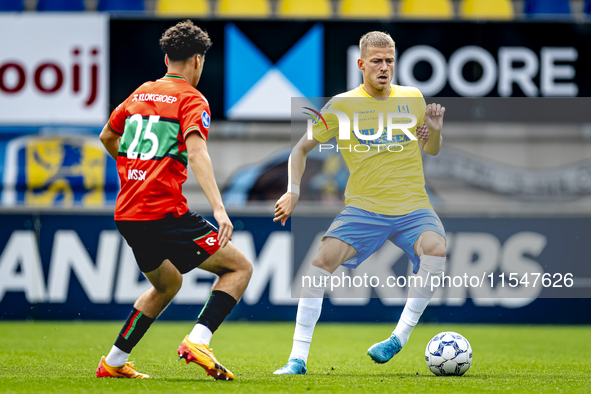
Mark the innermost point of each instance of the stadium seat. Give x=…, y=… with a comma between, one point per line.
x=182, y=8
x=361, y=9
x=60, y=5
x=243, y=8
x=427, y=9
x=304, y=8
x=487, y=9
x=120, y=5
x=12, y=5
x=587, y=8
x=545, y=8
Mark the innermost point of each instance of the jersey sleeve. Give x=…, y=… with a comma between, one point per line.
x=116, y=121
x=195, y=117
x=422, y=131
x=327, y=125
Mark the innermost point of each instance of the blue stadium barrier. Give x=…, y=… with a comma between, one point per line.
x=547, y=8
x=60, y=5
x=12, y=5
x=121, y=5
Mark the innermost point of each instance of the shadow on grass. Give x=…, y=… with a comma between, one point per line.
x=393, y=375
x=196, y=380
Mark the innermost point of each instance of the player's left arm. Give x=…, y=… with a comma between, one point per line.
x=200, y=163
x=434, y=122
x=195, y=118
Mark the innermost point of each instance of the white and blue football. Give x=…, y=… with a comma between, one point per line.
x=448, y=354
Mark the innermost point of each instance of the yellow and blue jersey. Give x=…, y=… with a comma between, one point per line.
x=386, y=175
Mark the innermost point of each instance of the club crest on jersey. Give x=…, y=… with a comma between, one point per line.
x=205, y=119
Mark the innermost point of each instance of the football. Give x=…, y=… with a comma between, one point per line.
x=448, y=354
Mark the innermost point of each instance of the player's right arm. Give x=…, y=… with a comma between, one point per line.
x=111, y=141
x=322, y=132
x=295, y=170
x=111, y=134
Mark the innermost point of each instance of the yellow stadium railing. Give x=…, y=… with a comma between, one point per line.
x=243, y=8
x=362, y=9
x=304, y=9
x=183, y=8
x=487, y=9
x=426, y=9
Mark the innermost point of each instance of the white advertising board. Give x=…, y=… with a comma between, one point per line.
x=54, y=69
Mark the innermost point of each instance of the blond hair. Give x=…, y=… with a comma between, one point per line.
x=375, y=39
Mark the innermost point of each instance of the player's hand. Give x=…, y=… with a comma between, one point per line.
x=285, y=206
x=225, y=227
x=434, y=117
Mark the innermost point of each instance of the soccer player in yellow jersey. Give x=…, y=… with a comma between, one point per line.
x=385, y=196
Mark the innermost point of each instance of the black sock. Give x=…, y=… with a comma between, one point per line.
x=217, y=307
x=133, y=330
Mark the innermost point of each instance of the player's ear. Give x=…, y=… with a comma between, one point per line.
x=360, y=64
x=196, y=61
x=166, y=60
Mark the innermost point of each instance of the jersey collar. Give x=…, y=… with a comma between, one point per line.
x=174, y=76
x=363, y=92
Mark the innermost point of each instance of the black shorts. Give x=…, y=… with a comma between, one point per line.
x=186, y=241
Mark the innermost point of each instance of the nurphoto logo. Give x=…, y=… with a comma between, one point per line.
x=370, y=140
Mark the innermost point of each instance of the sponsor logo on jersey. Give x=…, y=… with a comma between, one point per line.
x=157, y=98
x=205, y=119
x=136, y=175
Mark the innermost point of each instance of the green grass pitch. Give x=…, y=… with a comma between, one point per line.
x=63, y=356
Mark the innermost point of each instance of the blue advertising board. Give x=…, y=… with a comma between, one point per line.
x=69, y=266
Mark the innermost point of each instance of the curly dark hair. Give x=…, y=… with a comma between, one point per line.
x=184, y=40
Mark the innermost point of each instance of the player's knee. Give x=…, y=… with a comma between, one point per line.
x=176, y=285
x=246, y=267
x=240, y=264
x=434, y=246
x=321, y=261
x=170, y=286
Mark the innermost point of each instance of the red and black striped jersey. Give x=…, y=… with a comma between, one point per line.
x=153, y=123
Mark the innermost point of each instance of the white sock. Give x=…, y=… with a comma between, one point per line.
x=419, y=296
x=309, y=309
x=116, y=357
x=300, y=349
x=200, y=335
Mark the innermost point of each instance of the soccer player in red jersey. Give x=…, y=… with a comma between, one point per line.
x=159, y=129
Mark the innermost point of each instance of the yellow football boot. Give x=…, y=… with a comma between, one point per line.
x=203, y=356
x=104, y=370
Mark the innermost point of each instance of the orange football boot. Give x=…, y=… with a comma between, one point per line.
x=203, y=356
x=104, y=370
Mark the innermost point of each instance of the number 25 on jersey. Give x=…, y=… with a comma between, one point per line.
x=139, y=141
